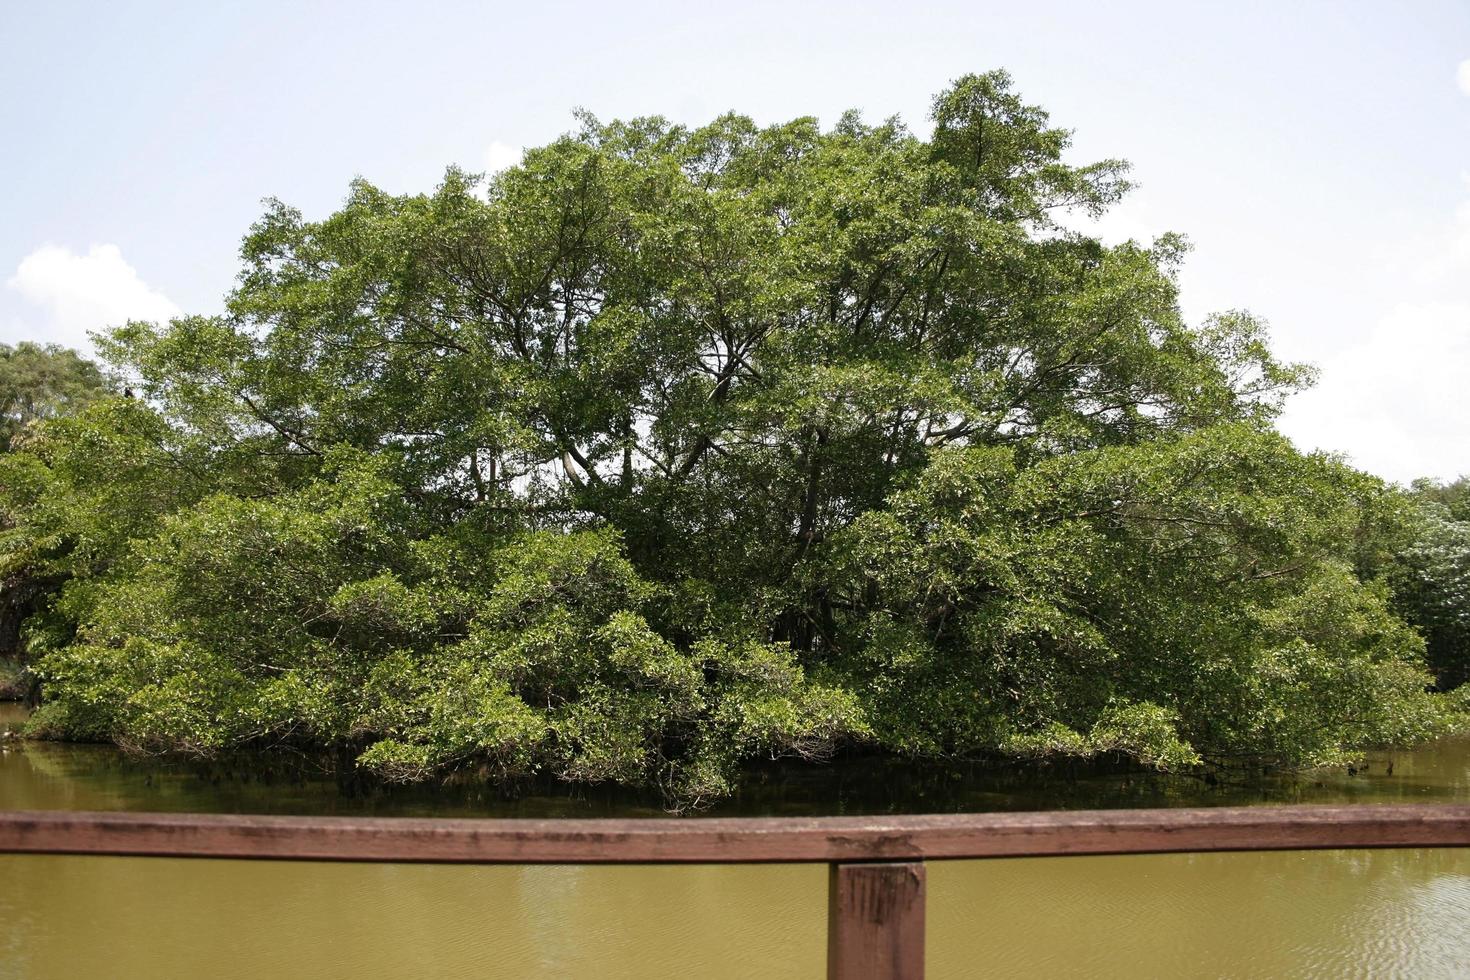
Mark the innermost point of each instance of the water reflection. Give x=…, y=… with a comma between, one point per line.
x=42, y=775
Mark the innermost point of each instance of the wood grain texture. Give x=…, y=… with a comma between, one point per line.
x=734, y=840
x=875, y=921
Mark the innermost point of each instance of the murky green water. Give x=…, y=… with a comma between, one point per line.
x=1332, y=914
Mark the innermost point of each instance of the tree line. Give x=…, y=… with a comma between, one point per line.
x=673, y=447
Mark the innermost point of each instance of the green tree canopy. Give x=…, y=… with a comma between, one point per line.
x=37, y=382
x=1429, y=569
x=42, y=381
x=670, y=447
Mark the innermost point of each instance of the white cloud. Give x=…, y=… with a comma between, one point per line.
x=1125, y=221
x=81, y=293
x=499, y=156
x=1397, y=402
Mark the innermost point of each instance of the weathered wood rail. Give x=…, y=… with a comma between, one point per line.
x=876, y=880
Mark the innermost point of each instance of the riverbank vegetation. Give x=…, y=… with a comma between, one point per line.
x=671, y=447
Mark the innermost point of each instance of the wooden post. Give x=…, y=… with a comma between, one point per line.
x=875, y=921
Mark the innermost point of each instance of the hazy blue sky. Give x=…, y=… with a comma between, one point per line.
x=1318, y=154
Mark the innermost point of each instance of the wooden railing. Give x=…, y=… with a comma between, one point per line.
x=876, y=883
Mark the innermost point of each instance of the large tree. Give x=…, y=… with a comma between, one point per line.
x=37, y=382
x=1429, y=571
x=41, y=381
x=669, y=447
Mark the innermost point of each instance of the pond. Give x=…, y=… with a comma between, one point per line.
x=1348, y=913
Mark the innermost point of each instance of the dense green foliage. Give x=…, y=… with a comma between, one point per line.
x=671, y=447
x=40, y=382
x=1430, y=573
x=37, y=382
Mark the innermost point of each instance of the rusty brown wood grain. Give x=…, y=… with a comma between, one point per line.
x=735, y=840
x=875, y=921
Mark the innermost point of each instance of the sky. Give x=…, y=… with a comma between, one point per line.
x=1316, y=154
